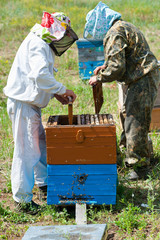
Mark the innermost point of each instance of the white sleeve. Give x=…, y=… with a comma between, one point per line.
x=40, y=73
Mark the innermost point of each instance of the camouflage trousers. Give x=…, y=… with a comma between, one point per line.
x=136, y=115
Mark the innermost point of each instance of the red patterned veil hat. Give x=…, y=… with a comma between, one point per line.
x=55, y=29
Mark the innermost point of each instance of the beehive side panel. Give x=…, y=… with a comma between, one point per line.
x=99, y=184
x=92, y=185
x=92, y=54
x=156, y=114
x=86, y=73
x=157, y=101
x=93, y=169
x=90, y=64
x=84, y=43
x=86, y=68
x=82, y=155
x=71, y=131
x=71, y=141
x=98, y=145
x=155, y=119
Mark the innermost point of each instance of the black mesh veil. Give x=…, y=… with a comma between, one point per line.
x=60, y=46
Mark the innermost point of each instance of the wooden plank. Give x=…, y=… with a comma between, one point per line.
x=84, y=43
x=105, y=119
x=85, y=66
x=157, y=102
x=110, y=119
x=68, y=186
x=70, y=111
x=91, y=54
x=92, y=120
x=79, y=194
x=82, y=155
x=88, y=141
x=79, y=119
x=91, y=57
x=156, y=114
x=68, y=131
x=82, y=178
x=101, y=119
x=95, y=200
x=93, y=169
x=88, y=119
x=96, y=119
x=155, y=119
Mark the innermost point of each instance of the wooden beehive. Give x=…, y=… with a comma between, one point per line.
x=84, y=142
x=155, y=119
x=90, y=56
x=81, y=159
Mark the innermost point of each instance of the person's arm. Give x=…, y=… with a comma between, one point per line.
x=98, y=69
x=115, y=60
x=64, y=97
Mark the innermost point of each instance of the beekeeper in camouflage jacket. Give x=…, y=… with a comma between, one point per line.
x=129, y=61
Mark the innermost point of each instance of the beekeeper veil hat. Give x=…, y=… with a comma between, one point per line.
x=99, y=20
x=56, y=30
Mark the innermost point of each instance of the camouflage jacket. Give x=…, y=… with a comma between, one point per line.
x=127, y=54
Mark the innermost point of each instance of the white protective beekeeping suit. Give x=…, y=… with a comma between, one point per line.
x=30, y=86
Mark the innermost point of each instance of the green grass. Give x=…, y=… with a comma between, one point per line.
x=129, y=218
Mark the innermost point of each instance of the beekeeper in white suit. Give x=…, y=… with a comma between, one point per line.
x=30, y=86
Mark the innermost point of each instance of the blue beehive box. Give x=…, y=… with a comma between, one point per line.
x=90, y=184
x=90, y=56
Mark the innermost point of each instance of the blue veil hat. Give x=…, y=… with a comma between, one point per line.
x=99, y=20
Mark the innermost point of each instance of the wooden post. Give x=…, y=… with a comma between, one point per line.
x=81, y=216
